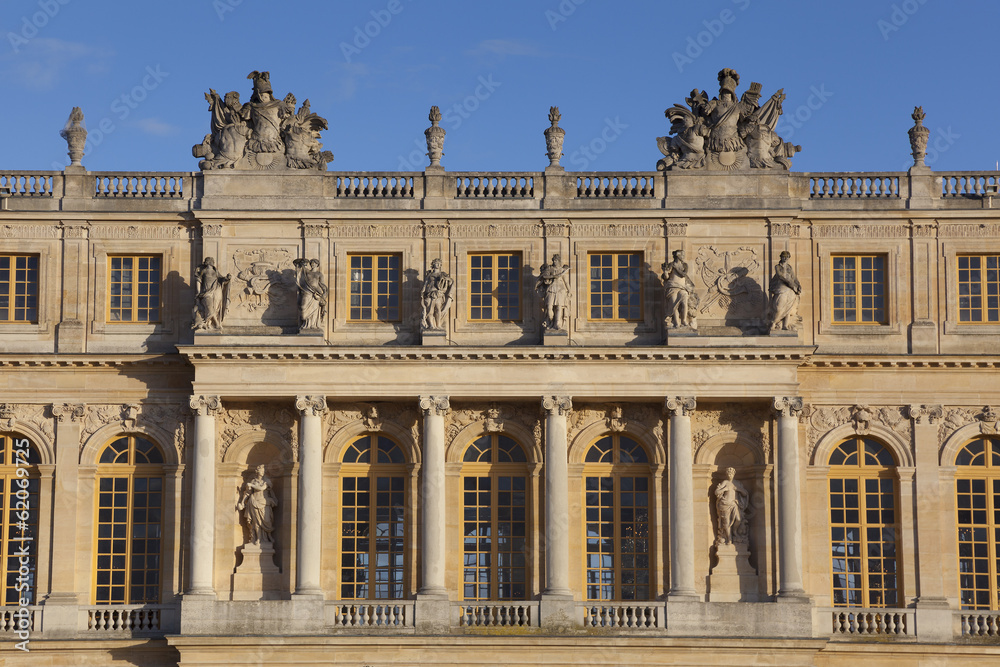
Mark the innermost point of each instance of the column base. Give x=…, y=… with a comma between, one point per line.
x=308, y=594
x=432, y=594
x=432, y=614
x=929, y=602
x=934, y=624
x=57, y=599
x=683, y=596
x=557, y=613
x=793, y=597
x=200, y=594
x=60, y=620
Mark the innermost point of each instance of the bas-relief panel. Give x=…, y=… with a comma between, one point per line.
x=277, y=422
x=29, y=231
x=169, y=418
x=617, y=418
x=33, y=415
x=732, y=284
x=263, y=290
x=494, y=418
x=373, y=416
x=956, y=418
x=749, y=422
x=822, y=420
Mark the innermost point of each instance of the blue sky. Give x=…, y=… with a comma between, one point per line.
x=852, y=71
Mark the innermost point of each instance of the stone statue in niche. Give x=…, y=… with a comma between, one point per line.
x=725, y=133
x=436, y=297
x=731, y=502
x=553, y=283
x=313, y=294
x=681, y=299
x=785, y=292
x=213, y=297
x=257, y=503
x=264, y=133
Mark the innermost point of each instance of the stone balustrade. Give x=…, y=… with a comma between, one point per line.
x=495, y=186
x=872, y=622
x=128, y=620
x=873, y=185
x=375, y=186
x=968, y=184
x=603, y=185
x=623, y=615
x=32, y=184
x=387, y=616
x=980, y=624
x=143, y=185
x=10, y=622
x=498, y=615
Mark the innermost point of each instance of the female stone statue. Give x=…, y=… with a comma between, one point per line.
x=213, y=293
x=731, y=500
x=257, y=503
x=785, y=290
x=312, y=294
x=681, y=299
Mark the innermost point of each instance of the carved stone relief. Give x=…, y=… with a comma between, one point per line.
x=821, y=420
x=866, y=231
x=616, y=418
x=374, y=417
x=278, y=421
x=494, y=418
x=11, y=414
x=130, y=232
x=732, y=280
x=29, y=231
x=264, y=290
x=955, y=418
x=747, y=421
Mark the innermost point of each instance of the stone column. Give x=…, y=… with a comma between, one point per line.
x=309, y=529
x=69, y=420
x=788, y=409
x=201, y=554
x=681, y=499
x=433, y=526
x=556, y=497
x=659, y=582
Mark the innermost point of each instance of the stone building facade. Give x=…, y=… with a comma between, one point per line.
x=490, y=490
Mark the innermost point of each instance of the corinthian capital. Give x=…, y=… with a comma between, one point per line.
x=788, y=406
x=557, y=405
x=205, y=406
x=434, y=405
x=680, y=406
x=69, y=411
x=311, y=406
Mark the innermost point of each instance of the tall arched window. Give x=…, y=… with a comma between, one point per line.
x=129, y=522
x=373, y=528
x=19, y=484
x=977, y=481
x=617, y=504
x=495, y=499
x=864, y=525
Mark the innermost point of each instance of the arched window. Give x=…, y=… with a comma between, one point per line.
x=864, y=525
x=617, y=502
x=129, y=522
x=977, y=481
x=19, y=485
x=373, y=527
x=495, y=528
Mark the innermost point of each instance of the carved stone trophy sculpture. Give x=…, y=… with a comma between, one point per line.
x=435, y=137
x=726, y=133
x=75, y=134
x=436, y=297
x=553, y=284
x=264, y=133
x=213, y=297
x=732, y=579
x=681, y=299
x=785, y=292
x=554, y=137
x=918, y=137
x=257, y=503
x=313, y=294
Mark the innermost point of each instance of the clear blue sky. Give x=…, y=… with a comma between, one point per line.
x=852, y=71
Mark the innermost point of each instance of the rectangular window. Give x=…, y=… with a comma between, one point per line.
x=616, y=286
x=19, y=288
x=372, y=537
x=134, y=288
x=863, y=542
x=495, y=545
x=859, y=289
x=618, y=547
x=375, y=281
x=495, y=287
x=20, y=537
x=128, y=540
x=979, y=289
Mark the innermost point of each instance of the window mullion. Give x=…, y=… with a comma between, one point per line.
x=130, y=504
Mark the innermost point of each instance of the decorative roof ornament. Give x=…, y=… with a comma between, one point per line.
x=75, y=134
x=264, y=133
x=435, y=137
x=918, y=137
x=554, y=137
x=724, y=133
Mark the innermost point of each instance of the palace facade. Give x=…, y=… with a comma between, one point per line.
x=491, y=490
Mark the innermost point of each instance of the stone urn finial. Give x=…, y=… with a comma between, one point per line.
x=75, y=134
x=554, y=137
x=918, y=137
x=435, y=137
